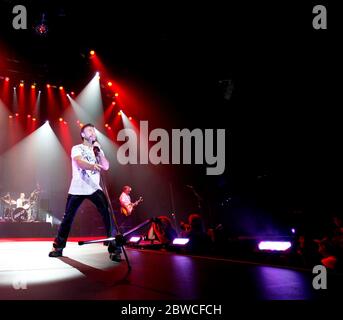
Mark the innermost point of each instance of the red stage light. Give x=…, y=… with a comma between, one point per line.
x=33, y=119
x=109, y=83
x=130, y=118
x=17, y=114
x=116, y=94
x=65, y=122
x=72, y=93
x=113, y=103
x=78, y=121
x=61, y=88
x=29, y=116
x=48, y=85
x=33, y=87
x=60, y=119
x=106, y=125
x=92, y=52
x=109, y=128
x=10, y=116
x=7, y=79
x=21, y=85
x=119, y=113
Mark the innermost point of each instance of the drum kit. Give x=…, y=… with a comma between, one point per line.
x=12, y=213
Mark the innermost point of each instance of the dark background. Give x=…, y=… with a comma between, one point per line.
x=283, y=132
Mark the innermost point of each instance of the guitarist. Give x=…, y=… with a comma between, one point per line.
x=126, y=206
x=125, y=199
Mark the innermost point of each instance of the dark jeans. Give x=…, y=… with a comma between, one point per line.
x=73, y=203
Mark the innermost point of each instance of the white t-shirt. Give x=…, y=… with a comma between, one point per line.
x=20, y=203
x=84, y=182
x=124, y=199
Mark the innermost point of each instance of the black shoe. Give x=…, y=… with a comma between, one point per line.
x=114, y=251
x=113, y=248
x=56, y=252
x=115, y=257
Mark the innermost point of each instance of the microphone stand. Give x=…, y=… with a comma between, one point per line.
x=119, y=238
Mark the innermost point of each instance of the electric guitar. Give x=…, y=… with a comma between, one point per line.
x=127, y=210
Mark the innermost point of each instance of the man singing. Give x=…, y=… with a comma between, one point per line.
x=87, y=161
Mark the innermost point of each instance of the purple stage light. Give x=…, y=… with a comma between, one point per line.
x=274, y=245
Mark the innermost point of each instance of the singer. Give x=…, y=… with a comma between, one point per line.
x=87, y=162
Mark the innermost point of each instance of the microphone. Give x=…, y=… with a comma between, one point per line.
x=96, y=149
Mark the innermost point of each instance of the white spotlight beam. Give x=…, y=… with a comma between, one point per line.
x=90, y=100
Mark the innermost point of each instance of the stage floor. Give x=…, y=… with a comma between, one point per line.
x=26, y=272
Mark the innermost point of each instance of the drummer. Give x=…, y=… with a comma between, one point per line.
x=22, y=201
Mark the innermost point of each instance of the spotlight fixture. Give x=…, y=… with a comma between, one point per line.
x=109, y=83
x=130, y=118
x=116, y=94
x=7, y=79
x=92, y=52
x=42, y=28
x=48, y=86
x=61, y=88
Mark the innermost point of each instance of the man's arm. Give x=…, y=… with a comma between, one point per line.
x=101, y=157
x=103, y=161
x=86, y=165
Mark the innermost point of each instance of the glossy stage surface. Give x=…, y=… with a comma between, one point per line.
x=86, y=272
